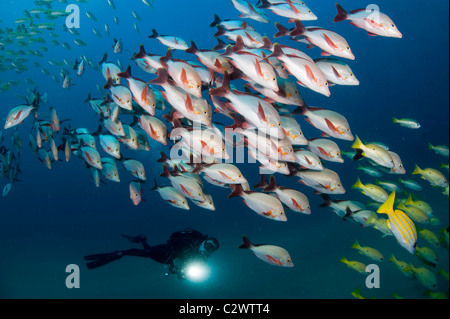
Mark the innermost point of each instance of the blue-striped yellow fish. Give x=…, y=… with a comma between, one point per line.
x=400, y=224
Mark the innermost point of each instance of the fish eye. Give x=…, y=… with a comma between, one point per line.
x=393, y=25
x=274, y=79
x=279, y=123
x=339, y=185
x=348, y=48
x=326, y=83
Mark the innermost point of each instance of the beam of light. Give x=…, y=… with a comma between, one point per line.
x=197, y=272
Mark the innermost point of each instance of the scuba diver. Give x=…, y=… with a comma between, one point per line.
x=182, y=248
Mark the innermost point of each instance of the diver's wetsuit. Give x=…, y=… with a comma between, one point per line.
x=182, y=245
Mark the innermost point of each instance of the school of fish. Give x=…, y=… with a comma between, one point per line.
x=177, y=109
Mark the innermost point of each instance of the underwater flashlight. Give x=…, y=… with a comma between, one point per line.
x=197, y=272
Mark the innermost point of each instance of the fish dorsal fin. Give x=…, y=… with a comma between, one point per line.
x=258, y=68
x=388, y=206
x=183, y=77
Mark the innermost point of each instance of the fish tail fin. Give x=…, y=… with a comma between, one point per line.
x=343, y=260
x=394, y=120
x=105, y=57
x=220, y=31
x=88, y=98
x=392, y=258
x=430, y=146
x=238, y=191
x=409, y=201
x=370, y=221
x=108, y=84
x=299, y=29
x=193, y=49
x=388, y=206
x=126, y=74
x=341, y=15
x=264, y=4
x=401, y=206
x=163, y=158
x=239, y=44
x=358, y=184
x=277, y=51
x=417, y=170
x=268, y=45
x=220, y=45
x=154, y=34
x=358, y=144
x=141, y=54
x=162, y=78
x=224, y=90
x=156, y=186
x=262, y=183
x=166, y=171
x=247, y=243
x=300, y=110
x=356, y=245
x=282, y=31
x=272, y=185
x=326, y=201
x=217, y=20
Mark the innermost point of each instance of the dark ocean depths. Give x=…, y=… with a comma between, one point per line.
x=51, y=219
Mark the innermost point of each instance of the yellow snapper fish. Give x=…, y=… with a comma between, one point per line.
x=172, y=196
x=142, y=93
x=326, y=150
x=293, y=199
x=427, y=255
x=273, y=255
x=330, y=123
x=172, y=42
x=416, y=214
x=424, y=276
x=400, y=224
x=374, y=152
x=264, y=205
x=430, y=237
x=402, y=266
x=183, y=74
x=439, y=149
x=330, y=42
x=419, y=204
x=355, y=265
x=369, y=252
x=337, y=72
x=374, y=22
x=408, y=123
x=434, y=177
